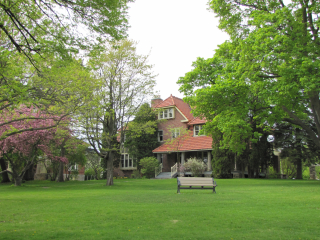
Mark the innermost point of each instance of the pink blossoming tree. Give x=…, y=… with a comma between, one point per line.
x=22, y=150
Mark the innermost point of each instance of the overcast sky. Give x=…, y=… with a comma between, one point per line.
x=175, y=32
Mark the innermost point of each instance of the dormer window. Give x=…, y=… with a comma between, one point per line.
x=166, y=113
x=197, y=129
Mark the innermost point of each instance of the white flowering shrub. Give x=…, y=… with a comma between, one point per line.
x=196, y=166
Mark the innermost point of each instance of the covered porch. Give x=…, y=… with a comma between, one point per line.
x=170, y=162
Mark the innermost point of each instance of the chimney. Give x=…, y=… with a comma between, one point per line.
x=155, y=102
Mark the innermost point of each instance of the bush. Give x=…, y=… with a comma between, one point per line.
x=196, y=166
x=273, y=173
x=306, y=173
x=148, y=165
x=136, y=174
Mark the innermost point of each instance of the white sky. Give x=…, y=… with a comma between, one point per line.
x=175, y=32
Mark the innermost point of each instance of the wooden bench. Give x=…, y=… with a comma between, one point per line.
x=196, y=183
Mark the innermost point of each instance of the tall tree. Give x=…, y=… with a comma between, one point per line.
x=126, y=82
x=278, y=49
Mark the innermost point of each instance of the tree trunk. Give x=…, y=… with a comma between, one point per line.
x=17, y=181
x=61, y=166
x=29, y=174
x=60, y=174
x=110, y=169
x=299, y=168
x=5, y=177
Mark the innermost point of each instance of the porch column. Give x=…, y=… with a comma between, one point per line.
x=183, y=157
x=159, y=157
x=209, y=161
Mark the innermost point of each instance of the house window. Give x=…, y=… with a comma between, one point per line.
x=197, y=129
x=175, y=132
x=166, y=113
x=73, y=168
x=160, y=136
x=127, y=161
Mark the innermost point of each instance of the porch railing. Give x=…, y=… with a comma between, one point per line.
x=158, y=170
x=174, y=169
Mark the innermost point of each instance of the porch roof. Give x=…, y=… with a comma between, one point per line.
x=188, y=144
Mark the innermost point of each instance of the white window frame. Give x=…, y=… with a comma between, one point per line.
x=197, y=131
x=127, y=162
x=166, y=113
x=160, y=135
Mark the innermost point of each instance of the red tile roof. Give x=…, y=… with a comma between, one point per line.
x=179, y=103
x=188, y=143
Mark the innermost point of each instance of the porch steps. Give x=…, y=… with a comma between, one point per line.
x=164, y=175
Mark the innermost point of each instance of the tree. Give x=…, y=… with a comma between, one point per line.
x=278, y=56
x=126, y=81
x=61, y=89
x=76, y=156
x=266, y=73
x=21, y=150
x=41, y=26
x=235, y=114
x=40, y=39
x=296, y=147
x=148, y=164
x=141, y=135
x=94, y=163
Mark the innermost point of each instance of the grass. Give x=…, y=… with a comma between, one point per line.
x=151, y=209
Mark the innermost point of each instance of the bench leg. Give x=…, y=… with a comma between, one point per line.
x=178, y=190
x=214, y=190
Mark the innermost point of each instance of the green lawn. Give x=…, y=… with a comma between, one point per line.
x=151, y=209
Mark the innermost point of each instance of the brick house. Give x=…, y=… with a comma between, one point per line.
x=184, y=129
x=179, y=125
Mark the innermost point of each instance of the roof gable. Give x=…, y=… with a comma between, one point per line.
x=183, y=107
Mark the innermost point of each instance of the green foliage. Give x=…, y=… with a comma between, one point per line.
x=93, y=164
x=267, y=73
x=222, y=163
x=46, y=26
x=76, y=155
x=141, y=134
x=89, y=172
x=148, y=165
x=136, y=174
x=196, y=166
x=306, y=173
x=288, y=168
x=273, y=173
x=126, y=80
